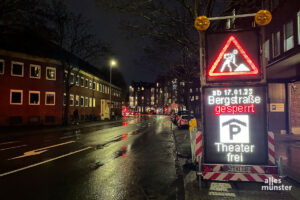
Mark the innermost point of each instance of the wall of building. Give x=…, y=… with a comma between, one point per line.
x=25, y=113
x=295, y=107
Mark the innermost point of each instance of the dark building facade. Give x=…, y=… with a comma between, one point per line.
x=282, y=59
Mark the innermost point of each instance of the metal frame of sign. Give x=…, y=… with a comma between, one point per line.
x=234, y=78
x=265, y=126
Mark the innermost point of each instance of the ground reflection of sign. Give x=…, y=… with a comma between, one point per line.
x=228, y=57
x=234, y=128
x=235, y=125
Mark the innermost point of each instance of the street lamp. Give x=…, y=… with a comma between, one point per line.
x=112, y=63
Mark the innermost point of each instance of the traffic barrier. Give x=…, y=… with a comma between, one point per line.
x=271, y=148
x=199, y=147
x=237, y=176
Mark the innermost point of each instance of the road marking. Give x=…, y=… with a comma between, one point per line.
x=39, y=151
x=3, y=143
x=43, y=162
x=24, y=145
x=65, y=137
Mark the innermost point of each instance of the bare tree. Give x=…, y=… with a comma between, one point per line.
x=72, y=34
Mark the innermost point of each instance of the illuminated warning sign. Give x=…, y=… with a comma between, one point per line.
x=235, y=125
x=228, y=58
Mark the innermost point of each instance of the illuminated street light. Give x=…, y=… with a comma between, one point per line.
x=112, y=63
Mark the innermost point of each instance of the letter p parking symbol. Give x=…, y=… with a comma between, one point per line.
x=234, y=128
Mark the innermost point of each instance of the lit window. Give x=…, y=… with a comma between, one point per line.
x=65, y=99
x=50, y=73
x=192, y=98
x=91, y=102
x=91, y=85
x=86, y=102
x=82, y=101
x=16, y=97
x=34, y=98
x=71, y=78
x=97, y=86
x=86, y=83
x=142, y=88
x=17, y=69
x=288, y=36
x=276, y=44
x=94, y=102
x=267, y=50
x=71, y=100
x=76, y=100
x=81, y=81
x=197, y=97
x=77, y=80
x=50, y=98
x=298, y=22
x=1, y=66
x=101, y=87
x=191, y=90
x=35, y=71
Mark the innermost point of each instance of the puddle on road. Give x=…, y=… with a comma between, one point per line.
x=122, y=152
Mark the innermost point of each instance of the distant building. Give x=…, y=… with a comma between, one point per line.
x=164, y=96
x=142, y=97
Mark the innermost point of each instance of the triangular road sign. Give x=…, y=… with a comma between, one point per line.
x=232, y=61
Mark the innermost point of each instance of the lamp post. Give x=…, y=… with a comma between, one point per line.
x=112, y=63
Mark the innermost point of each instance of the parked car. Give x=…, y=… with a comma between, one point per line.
x=185, y=112
x=183, y=121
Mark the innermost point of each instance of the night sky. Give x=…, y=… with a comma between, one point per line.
x=106, y=27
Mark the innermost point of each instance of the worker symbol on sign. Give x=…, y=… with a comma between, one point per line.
x=230, y=65
x=234, y=128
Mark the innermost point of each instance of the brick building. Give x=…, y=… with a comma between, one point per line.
x=32, y=85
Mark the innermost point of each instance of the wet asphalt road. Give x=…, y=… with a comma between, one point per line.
x=122, y=160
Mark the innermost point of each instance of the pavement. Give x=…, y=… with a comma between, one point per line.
x=287, y=147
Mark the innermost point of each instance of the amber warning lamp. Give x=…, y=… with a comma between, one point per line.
x=201, y=23
x=263, y=17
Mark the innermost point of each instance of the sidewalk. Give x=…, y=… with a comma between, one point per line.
x=7, y=133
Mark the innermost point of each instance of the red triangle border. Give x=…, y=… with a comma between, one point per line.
x=233, y=40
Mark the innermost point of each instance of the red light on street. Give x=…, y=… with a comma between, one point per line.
x=216, y=64
x=125, y=123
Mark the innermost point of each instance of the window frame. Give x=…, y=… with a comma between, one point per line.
x=3, y=61
x=298, y=27
x=46, y=93
x=72, y=80
x=14, y=90
x=75, y=104
x=34, y=92
x=273, y=42
x=82, y=78
x=77, y=80
x=81, y=97
x=86, y=83
x=86, y=102
x=50, y=79
x=40, y=72
x=72, y=95
x=18, y=63
x=284, y=36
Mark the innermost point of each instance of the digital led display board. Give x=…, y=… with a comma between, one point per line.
x=233, y=57
x=235, y=125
